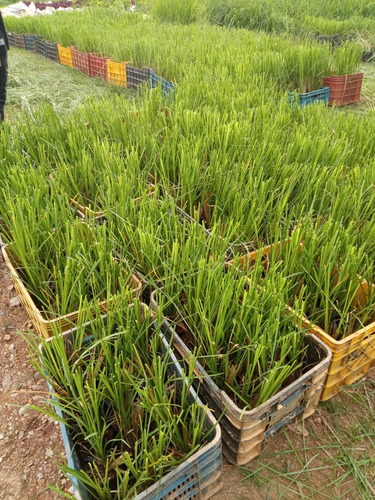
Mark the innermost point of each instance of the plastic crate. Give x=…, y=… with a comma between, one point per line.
x=10, y=39
x=247, y=261
x=307, y=98
x=65, y=55
x=19, y=41
x=199, y=477
x=344, y=89
x=167, y=88
x=351, y=356
x=244, y=432
x=136, y=76
x=52, y=52
x=98, y=66
x=42, y=325
x=81, y=60
x=46, y=49
x=30, y=42
x=40, y=46
x=116, y=73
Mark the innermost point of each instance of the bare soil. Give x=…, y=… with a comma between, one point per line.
x=30, y=442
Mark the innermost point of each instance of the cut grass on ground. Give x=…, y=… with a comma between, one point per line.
x=34, y=80
x=332, y=459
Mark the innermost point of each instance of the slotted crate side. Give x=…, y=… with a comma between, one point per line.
x=11, y=39
x=41, y=46
x=116, y=73
x=81, y=60
x=30, y=42
x=351, y=357
x=344, y=89
x=136, y=76
x=308, y=98
x=52, y=52
x=167, y=88
x=19, y=41
x=42, y=325
x=98, y=66
x=65, y=55
x=199, y=477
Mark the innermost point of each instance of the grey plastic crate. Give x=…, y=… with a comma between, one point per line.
x=11, y=39
x=244, y=432
x=47, y=49
x=136, y=76
x=199, y=477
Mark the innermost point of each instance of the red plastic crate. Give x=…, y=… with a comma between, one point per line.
x=344, y=89
x=81, y=60
x=116, y=73
x=98, y=66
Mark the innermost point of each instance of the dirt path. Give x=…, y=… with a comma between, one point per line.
x=29, y=441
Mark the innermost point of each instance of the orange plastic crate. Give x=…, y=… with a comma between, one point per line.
x=65, y=55
x=116, y=73
x=81, y=60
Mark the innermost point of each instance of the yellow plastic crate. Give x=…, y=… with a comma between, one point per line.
x=116, y=73
x=42, y=325
x=351, y=356
x=65, y=55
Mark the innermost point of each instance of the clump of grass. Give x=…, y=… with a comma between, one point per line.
x=175, y=11
x=132, y=418
x=335, y=276
x=61, y=262
x=347, y=58
x=241, y=333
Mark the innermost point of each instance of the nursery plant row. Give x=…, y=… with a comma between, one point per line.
x=232, y=316
x=300, y=66
x=94, y=65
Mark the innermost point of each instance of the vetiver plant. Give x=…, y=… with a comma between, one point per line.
x=129, y=412
x=304, y=67
x=241, y=333
x=175, y=11
x=347, y=58
x=159, y=240
x=335, y=277
x=61, y=262
x=102, y=176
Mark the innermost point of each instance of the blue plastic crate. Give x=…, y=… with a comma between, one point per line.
x=321, y=95
x=167, y=88
x=30, y=42
x=199, y=477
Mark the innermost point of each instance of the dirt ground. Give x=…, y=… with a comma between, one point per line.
x=305, y=461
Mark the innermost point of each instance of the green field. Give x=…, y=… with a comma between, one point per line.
x=228, y=167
